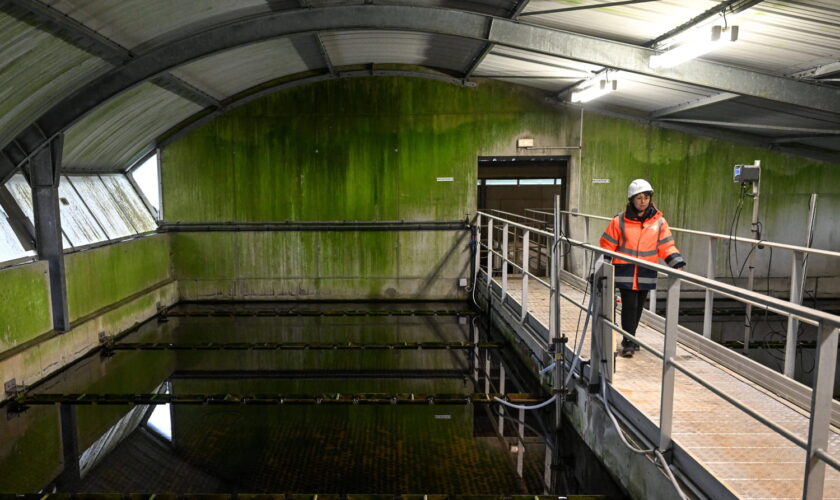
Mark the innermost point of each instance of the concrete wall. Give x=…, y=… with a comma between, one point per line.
x=109, y=289
x=367, y=149
x=692, y=177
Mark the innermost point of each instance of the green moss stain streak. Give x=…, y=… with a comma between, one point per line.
x=366, y=149
x=103, y=276
x=24, y=304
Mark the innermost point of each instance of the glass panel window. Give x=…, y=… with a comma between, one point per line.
x=10, y=247
x=146, y=177
x=129, y=201
x=535, y=182
x=22, y=194
x=500, y=182
x=103, y=205
x=77, y=222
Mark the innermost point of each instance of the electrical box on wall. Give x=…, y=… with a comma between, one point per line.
x=746, y=173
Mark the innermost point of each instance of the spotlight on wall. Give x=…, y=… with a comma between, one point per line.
x=593, y=89
x=695, y=47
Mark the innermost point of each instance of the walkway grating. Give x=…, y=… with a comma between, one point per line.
x=750, y=458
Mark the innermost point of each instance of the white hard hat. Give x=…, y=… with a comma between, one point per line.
x=638, y=186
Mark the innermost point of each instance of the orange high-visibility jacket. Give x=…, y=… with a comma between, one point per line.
x=648, y=240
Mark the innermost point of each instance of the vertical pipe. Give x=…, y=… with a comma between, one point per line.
x=553, y=299
x=505, y=255
x=501, y=407
x=489, y=255
x=526, y=236
x=821, y=401
x=666, y=409
x=750, y=269
x=708, y=309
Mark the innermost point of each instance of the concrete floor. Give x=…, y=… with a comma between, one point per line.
x=749, y=457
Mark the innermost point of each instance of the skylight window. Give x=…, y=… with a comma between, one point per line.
x=147, y=179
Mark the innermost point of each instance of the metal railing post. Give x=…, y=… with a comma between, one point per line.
x=708, y=310
x=487, y=369
x=595, y=349
x=554, y=296
x=501, y=407
x=489, y=255
x=563, y=228
x=608, y=313
x=796, y=284
x=526, y=235
x=505, y=229
x=652, y=303
x=477, y=248
x=821, y=402
x=669, y=350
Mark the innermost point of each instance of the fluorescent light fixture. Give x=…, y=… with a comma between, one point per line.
x=696, y=47
x=594, y=90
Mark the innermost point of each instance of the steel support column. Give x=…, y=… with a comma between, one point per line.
x=44, y=168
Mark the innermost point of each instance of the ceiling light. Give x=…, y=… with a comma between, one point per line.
x=696, y=47
x=593, y=90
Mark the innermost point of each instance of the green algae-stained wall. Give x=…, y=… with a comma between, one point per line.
x=692, y=177
x=24, y=304
x=104, y=276
x=366, y=149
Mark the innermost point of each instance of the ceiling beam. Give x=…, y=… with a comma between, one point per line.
x=759, y=126
x=734, y=7
x=476, y=62
x=177, y=86
x=798, y=138
x=697, y=103
x=68, y=29
x=584, y=7
x=202, y=41
x=324, y=54
x=819, y=71
x=518, y=8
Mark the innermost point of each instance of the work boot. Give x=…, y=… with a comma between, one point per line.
x=636, y=347
x=627, y=349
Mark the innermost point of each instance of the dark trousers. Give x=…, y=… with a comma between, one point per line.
x=632, y=303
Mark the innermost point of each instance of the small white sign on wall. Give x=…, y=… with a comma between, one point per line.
x=445, y=179
x=600, y=181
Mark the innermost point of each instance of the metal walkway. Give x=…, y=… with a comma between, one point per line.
x=752, y=459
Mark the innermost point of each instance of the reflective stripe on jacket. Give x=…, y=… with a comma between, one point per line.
x=648, y=240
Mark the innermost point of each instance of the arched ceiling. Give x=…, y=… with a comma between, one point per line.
x=117, y=78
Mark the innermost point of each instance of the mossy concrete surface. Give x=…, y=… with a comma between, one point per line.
x=103, y=276
x=25, y=310
x=692, y=178
x=365, y=149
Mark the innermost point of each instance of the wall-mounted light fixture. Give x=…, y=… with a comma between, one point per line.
x=695, y=47
x=594, y=88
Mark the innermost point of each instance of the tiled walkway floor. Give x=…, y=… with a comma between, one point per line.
x=749, y=457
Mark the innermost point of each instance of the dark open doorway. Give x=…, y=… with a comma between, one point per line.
x=516, y=183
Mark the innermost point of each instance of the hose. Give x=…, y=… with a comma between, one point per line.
x=524, y=407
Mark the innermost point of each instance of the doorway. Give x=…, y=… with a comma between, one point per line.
x=514, y=184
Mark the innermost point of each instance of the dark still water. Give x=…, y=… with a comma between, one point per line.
x=306, y=398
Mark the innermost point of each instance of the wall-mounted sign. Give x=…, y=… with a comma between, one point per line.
x=600, y=181
x=445, y=179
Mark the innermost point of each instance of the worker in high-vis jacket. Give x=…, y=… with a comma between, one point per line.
x=641, y=232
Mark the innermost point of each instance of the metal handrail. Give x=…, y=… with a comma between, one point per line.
x=734, y=238
x=829, y=325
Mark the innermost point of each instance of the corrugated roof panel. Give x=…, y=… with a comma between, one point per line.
x=134, y=22
x=78, y=224
x=649, y=94
x=37, y=70
x=785, y=37
x=501, y=8
x=633, y=23
x=102, y=205
x=384, y=47
x=512, y=62
x=115, y=132
x=233, y=71
x=128, y=200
